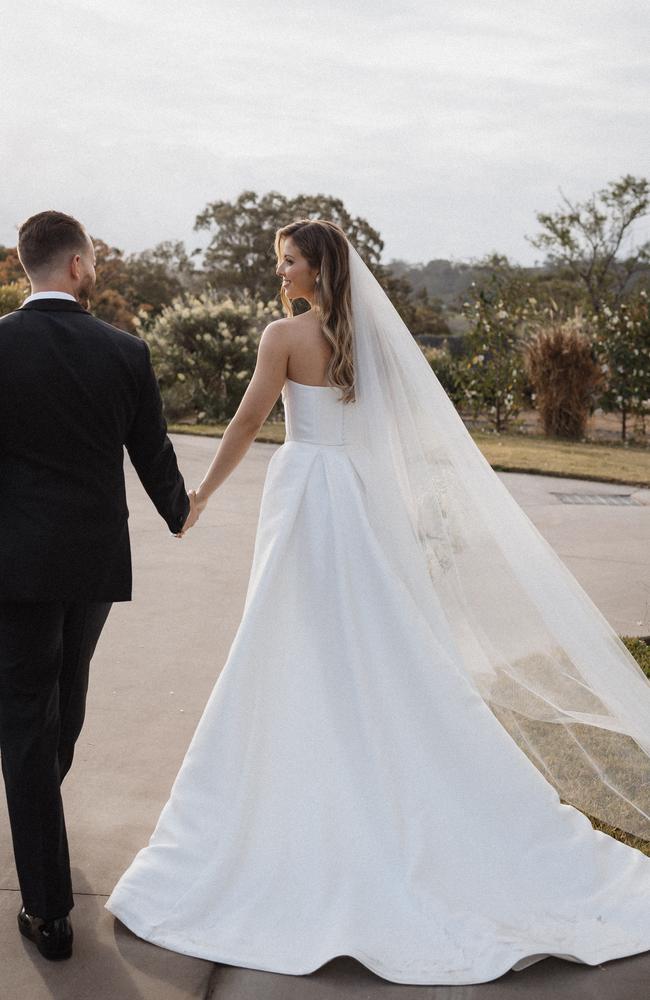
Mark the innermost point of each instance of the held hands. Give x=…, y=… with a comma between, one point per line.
x=197, y=506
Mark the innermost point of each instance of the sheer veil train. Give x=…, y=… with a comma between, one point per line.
x=526, y=634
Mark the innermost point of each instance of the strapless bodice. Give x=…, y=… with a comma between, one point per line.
x=313, y=413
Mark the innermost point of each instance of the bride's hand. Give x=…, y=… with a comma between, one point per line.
x=196, y=509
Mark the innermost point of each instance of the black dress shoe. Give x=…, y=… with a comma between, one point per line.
x=53, y=938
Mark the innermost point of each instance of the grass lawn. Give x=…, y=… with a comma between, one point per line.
x=608, y=463
x=272, y=433
x=640, y=650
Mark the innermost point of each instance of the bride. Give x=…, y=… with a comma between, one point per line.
x=420, y=703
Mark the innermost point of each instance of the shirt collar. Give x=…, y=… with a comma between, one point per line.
x=48, y=295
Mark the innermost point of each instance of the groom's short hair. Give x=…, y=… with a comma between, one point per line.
x=46, y=236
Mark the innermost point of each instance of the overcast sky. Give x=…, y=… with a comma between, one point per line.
x=446, y=125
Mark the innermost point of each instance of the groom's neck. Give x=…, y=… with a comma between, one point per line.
x=53, y=285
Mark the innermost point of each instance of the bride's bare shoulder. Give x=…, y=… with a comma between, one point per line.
x=293, y=324
x=277, y=329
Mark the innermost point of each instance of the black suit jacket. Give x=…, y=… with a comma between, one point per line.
x=73, y=391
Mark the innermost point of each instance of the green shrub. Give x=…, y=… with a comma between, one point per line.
x=448, y=370
x=11, y=297
x=204, y=350
x=623, y=345
x=497, y=311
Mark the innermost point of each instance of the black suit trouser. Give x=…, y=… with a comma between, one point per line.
x=45, y=653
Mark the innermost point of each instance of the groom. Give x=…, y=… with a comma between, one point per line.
x=73, y=391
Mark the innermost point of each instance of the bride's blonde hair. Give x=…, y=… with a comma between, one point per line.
x=324, y=245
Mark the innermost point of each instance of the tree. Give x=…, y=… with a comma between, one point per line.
x=422, y=313
x=587, y=238
x=11, y=270
x=154, y=278
x=497, y=310
x=622, y=341
x=126, y=285
x=109, y=301
x=557, y=291
x=240, y=258
x=111, y=306
x=111, y=267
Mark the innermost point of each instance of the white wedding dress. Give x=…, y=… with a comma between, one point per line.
x=348, y=791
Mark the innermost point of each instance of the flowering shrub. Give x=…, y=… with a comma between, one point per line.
x=12, y=297
x=204, y=349
x=622, y=341
x=495, y=379
x=448, y=370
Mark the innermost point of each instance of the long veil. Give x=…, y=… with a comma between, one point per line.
x=516, y=621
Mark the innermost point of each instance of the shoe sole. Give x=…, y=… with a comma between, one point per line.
x=60, y=956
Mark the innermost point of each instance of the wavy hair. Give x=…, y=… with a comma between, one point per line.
x=325, y=247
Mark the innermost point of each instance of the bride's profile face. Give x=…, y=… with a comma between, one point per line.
x=298, y=276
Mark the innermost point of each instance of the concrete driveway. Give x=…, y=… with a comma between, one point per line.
x=155, y=666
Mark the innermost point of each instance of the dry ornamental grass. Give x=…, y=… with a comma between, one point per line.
x=560, y=364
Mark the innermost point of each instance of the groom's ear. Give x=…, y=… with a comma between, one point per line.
x=75, y=267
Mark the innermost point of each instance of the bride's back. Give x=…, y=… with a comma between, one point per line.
x=310, y=351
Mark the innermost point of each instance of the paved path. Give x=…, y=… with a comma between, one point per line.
x=606, y=547
x=155, y=666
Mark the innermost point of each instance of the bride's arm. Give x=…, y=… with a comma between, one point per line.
x=257, y=402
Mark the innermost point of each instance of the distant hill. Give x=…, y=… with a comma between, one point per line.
x=449, y=280
x=443, y=279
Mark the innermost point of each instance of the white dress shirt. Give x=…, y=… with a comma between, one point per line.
x=49, y=295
